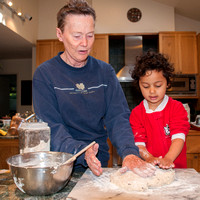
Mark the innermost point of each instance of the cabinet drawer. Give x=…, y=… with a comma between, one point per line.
x=193, y=144
x=193, y=161
x=8, y=148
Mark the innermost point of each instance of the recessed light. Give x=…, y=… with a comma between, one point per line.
x=10, y=3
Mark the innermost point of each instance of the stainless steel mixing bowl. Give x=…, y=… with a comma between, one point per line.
x=40, y=173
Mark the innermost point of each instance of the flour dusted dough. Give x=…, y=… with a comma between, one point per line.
x=132, y=182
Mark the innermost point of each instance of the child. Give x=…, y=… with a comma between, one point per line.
x=159, y=123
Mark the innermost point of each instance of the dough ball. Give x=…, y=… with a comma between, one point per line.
x=132, y=182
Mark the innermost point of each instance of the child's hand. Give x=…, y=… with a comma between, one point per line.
x=166, y=163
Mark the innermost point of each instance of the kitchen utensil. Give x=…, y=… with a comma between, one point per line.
x=73, y=158
x=29, y=117
x=40, y=173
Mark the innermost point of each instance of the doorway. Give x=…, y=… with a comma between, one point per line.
x=8, y=94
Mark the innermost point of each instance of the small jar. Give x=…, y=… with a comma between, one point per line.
x=34, y=136
x=198, y=120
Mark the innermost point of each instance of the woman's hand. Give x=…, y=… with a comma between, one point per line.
x=138, y=166
x=92, y=161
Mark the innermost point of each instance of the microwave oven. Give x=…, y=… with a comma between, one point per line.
x=183, y=85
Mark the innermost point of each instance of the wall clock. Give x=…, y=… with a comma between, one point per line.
x=134, y=14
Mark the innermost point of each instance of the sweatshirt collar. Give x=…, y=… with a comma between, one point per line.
x=159, y=108
x=76, y=69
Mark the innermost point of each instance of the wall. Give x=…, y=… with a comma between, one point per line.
x=28, y=29
x=21, y=67
x=48, y=22
x=111, y=17
x=186, y=24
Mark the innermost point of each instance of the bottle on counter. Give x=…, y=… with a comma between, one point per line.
x=15, y=123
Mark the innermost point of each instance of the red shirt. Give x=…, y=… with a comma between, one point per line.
x=156, y=129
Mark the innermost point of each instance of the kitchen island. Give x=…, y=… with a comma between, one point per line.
x=89, y=187
x=8, y=189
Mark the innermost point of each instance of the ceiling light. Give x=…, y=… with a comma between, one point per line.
x=10, y=3
x=19, y=13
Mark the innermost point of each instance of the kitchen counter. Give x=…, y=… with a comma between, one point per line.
x=186, y=186
x=9, y=137
x=8, y=189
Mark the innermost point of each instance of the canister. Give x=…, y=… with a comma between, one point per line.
x=187, y=108
x=34, y=136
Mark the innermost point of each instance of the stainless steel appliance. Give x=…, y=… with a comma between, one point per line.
x=183, y=85
x=133, y=48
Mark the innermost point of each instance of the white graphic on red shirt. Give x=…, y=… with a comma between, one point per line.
x=166, y=129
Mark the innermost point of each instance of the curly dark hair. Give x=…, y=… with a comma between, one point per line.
x=152, y=61
x=76, y=7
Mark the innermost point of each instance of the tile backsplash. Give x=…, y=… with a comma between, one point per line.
x=133, y=95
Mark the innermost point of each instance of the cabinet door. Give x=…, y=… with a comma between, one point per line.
x=44, y=51
x=193, y=161
x=8, y=148
x=47, y=49
x=198, y=51
x=100, y=48
x=181, y=47
x=188, y=52
x=57, y=47
x=110, y=162
x=169, y=47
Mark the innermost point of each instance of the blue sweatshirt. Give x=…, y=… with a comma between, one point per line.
x=82, y=105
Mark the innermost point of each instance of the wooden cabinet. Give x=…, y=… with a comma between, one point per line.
x=198, y=50
x=193, y=149
x=100, y=48
x=110, y=162
x=181, y=47
x=193, y=160
x=8, y=148
x=47, y=49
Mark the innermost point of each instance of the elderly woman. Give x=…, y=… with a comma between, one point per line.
x=78, y=96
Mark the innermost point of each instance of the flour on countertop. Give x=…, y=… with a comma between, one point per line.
x=103, y=184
